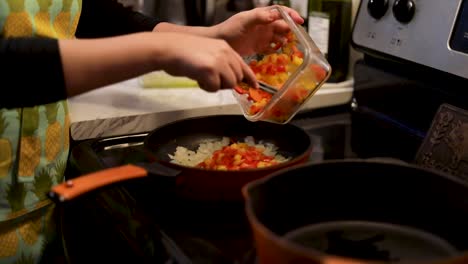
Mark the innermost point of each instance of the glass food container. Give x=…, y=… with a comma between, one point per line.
x=297, y=69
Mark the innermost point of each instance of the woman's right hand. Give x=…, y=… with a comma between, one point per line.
x=92, y=63
x=211, y=62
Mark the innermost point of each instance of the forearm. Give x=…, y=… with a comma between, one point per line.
x=38, y=71
x=92, y=63
x=211, y=32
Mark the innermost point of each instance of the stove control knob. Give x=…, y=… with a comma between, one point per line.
x=377, y=8
x=403, y=10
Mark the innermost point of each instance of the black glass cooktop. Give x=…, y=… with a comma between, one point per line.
x=143, y=222
x=188, y=231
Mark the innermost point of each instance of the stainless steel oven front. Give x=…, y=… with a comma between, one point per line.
x=431, y=33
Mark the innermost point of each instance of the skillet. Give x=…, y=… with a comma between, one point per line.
x=194, y=183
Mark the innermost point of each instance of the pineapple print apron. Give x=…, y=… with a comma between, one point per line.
x=34, y=141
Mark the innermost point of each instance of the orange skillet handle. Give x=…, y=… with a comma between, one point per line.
x=73, y=188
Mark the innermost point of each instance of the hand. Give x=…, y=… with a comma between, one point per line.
x=255, y=30
x=211, y=62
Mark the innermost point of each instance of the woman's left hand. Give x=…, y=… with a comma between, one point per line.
x=254, y=31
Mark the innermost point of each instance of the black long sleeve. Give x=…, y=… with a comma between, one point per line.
x=31, y=69
x=101, y=18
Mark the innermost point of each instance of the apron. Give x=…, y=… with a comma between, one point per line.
x=34, y=141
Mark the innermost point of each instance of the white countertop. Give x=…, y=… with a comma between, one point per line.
x=129, y=98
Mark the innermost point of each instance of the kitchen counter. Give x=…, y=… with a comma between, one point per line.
x=127, y=107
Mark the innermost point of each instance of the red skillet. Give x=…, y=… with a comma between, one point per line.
x=193, y=183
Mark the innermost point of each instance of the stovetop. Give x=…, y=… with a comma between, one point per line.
x=201, y=232
x=381, y=121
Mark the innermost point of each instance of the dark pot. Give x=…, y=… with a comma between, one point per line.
x=358, y=211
